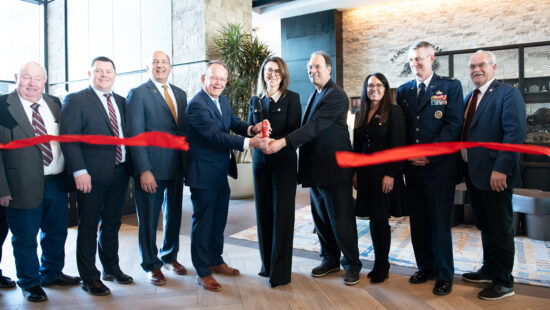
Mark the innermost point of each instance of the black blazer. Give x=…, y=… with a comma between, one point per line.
x=83, y=114
x=321, y=137
x=284, y=116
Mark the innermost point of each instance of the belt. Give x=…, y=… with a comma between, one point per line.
x=49, y=177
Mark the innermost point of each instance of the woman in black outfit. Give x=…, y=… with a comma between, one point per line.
x=379, y=125
x=275, y=176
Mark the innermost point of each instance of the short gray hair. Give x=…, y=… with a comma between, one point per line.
x=492, y=57
x=325, y=55
x=22, y=67
x=215, y=62
x=423, y=44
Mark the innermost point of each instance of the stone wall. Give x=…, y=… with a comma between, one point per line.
x=56, y=48
x=374, y=34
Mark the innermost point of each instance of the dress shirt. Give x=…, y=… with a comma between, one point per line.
x=170, y=92
x=246, y=143
x=52, y=128
x=482, y=91
x=426, y=82
x=103, y=99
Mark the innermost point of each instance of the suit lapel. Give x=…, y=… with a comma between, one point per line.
x=96, y=102
x=15, y=107
x=309, y=103
x=212, y=106
x=484, y=101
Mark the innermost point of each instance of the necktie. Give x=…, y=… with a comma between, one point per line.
x=170, y=103
x=217, y=102
x=114, y=126
x=40, y=130
x=470, y=115
x=422, y=91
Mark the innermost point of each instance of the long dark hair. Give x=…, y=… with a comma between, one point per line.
x=386, y=103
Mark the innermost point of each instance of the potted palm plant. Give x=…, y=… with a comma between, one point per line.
x=243, y=54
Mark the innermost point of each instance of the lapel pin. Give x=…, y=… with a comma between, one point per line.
x=490, y=90
x=279, y=110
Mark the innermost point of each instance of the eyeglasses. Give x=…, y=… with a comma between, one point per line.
x=482, y=65
x=270, y=71
x=161, y=61
x=216, y=79
x=377, y=86
x=417, y=59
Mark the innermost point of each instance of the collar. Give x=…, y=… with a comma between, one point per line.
x=101, y=94
x=426, y=81
x=28, y=103
x=483, y=88
x=159, y=85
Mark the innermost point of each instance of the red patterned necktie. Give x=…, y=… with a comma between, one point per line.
x=40, y=130
x=114, y=126
x=470, y=115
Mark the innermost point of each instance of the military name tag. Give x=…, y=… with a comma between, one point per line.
x=439, y=100
x=438, y=114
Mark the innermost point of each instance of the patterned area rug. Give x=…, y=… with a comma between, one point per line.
x=531, y=264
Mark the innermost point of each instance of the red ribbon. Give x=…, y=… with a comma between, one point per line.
x=351, y=159
x=152, y=138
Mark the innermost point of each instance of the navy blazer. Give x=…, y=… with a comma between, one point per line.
x=437, y=117
x=499, y=117
x=146, y=110
x=321, y=137
x=83, y=114
x=210, y=142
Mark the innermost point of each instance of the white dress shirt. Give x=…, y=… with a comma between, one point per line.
x=52, y=128
x=170, y=92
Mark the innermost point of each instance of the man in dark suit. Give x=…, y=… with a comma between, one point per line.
x=100, y=174
x=157, y=105
x=324, y=131
x=210, y=118
x=495, y=113
x=434, y=113
x=32, y=190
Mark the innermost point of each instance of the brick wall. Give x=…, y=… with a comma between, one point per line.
x=373, y=34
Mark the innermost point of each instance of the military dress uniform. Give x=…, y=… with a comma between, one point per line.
x=436, y=116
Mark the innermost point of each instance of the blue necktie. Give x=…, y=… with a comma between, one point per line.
x=422, y=91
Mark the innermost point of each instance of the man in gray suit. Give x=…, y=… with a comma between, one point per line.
x=32, y=188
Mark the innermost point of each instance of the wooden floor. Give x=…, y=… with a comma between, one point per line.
x=249, y=291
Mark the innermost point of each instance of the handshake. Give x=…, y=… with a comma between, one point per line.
x=262, y=141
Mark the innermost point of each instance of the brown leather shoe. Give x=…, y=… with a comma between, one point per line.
x=156, y=277
x=209, y=283
x=225, y=270
x=176, y=268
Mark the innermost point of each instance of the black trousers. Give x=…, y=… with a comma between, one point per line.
x=380, y=232
x=103, y=205
x=431, y=201
x=275, y=195
x=494, y=217
x=334, y=218
x=3, y=231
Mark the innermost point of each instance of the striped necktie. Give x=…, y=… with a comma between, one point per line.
x=40, y=130
x=114, y=126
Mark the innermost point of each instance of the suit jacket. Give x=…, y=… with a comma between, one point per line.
x=83, y=114
x=321, y=137
x=210, y=142
x=21, y=170
x=437, y=117
x=146, y=110
x=499, y=117
x=284, y=117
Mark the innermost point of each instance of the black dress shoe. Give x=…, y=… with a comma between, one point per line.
x=324, y=269
x=478, y=277
x=274, y=285
x=63, y=280
x=263, y=274
x=495, y=292
x=420, y=276
x=6, y=282
x=378, y=276
x=120, y=278
x=96, y=288
x=351, y=277
x=35, y=294
x=442, y=287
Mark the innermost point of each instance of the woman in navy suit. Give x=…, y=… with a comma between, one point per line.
x=275, y=175
x=379, y=125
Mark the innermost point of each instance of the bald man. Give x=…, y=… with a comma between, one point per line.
x=32, y=188
x=158, y=105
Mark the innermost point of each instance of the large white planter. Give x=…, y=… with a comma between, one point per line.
x=243, y=186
